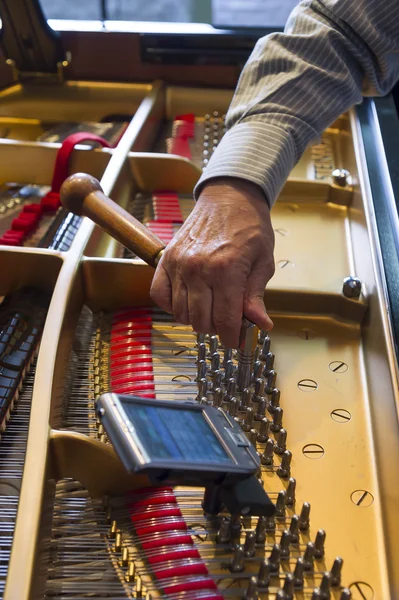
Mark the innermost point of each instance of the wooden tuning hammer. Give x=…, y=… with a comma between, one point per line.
x=82, y=195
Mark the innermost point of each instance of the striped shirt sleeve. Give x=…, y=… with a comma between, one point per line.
x=296, y=83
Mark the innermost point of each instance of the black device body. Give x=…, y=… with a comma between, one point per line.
x=186, y=443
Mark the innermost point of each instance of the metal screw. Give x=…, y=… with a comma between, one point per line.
x=338, y=366
x=340, y=415
x=340, y=177
x=352, y=287
x=306, y=334
x=361, y=591
x=313, y=451
x=285, y=263
x=362, y=498
x=307, y=385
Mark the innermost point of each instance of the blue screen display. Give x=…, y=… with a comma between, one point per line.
x=175, y=434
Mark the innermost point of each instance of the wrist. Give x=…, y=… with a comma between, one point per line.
x=232, y=187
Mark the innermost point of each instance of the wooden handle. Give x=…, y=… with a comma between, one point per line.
x=82, y=195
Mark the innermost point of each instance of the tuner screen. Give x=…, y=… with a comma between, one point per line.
x=176, y=434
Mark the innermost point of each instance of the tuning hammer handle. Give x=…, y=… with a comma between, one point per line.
x=82, y=195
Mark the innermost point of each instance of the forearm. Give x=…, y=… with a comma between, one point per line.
x=297, y=83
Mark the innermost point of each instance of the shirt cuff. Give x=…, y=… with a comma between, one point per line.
x=256, y=151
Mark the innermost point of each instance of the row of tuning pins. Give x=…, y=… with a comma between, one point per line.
x=256, y=407
x=214, y=129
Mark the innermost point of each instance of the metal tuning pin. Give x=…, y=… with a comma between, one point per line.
x=215, y=362
x=271, y=523
x=201, y=352
x=223, y=535
x=217, y=379
x=235, y=526
x=308, y=557
x=325, y=587
x=252, y=590
x=267, y=456
x=200, y=338
x=319, y=544
x=246, y=398
x=274, y=559
x=294, y=529
x=202, y=388
x=277, y=420
x=261, y=336
x=233, y=407
x=248, y=421
x=316, y=594
x=250, y=544
x=346, y=594
x=227, y=356
x=201, y=369
x=213, y=345
x=261, y=409
x=304, y=517
x=237, y=562
x=271, y=381
x=281, y=442
x=285, y=541
x=264, y=574
x=229, y=370
x=260, y=531
x=257, y=370
x=259, y=389
x=265, y=348
x=290, y=499
x=288, y=587
x=253, y=437
x=217, y=397
x=246, y=352
x=263, y=433
x=274, y=400
x=336, y=572
x=284, y=469
x=298, y=574
x=269, y=362
x=231, y=389
x=281, y=504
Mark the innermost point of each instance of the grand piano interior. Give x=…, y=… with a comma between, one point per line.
x=75, y=305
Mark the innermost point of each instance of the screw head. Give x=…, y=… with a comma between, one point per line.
x=340, y=177
x=352, y=287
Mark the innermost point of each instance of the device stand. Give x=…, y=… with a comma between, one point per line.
x=247, y=497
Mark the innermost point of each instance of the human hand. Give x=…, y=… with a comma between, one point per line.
x=216, y=268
